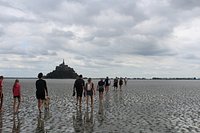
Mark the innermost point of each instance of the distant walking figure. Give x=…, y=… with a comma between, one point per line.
x=16, y=95
x=120, y=83
x=41, y=91
x=125, y=81
x=100, y=88
x=115, y=83
x=79, y=87
x=1, y=92
x=90, y=91
x=107, y=84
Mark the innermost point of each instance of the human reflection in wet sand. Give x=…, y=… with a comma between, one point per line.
x=40, y=124
x=78, y=120
x=46, y=114
x=89, y=121
x=100, y=117
x=16, y=124
x=1, y=122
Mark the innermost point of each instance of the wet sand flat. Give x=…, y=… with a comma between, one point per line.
x=143, y=106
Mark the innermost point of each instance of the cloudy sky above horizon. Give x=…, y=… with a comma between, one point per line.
x=132, y=38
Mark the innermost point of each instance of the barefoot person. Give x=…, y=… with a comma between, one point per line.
x=16, y=95
x=125, y=81
x=41, y=91
x=90, y=91
x=120, y=83
x=100, y=88
x=1, y=92
x=115, y=85
x=107, y=84
x=79, y=87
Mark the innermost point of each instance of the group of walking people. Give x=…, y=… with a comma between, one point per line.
x=79, y=89
x=41, y=93
x=88, y=89
x=119, y=81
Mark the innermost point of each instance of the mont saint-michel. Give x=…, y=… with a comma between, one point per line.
x=62, y=72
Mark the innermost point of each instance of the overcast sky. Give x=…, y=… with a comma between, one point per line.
x=99, y=38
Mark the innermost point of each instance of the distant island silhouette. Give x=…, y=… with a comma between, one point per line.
x=62, y=72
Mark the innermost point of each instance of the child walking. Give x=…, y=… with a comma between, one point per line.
x=16, y=95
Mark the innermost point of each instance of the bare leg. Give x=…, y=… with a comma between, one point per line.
x=40, y=105
x=91, y=101
x=87, y=100
x=80, y=101
x=1, y=105
x=19, y=101
x=77, y=98
x=14, y=104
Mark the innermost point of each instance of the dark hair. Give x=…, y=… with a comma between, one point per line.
x=40, y=75
x=80, y=76
x=1, y=77
x=89, y=79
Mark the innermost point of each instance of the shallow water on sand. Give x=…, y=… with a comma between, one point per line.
x=143, y=106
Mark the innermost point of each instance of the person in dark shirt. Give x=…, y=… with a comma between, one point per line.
x=41, y=91
x=79, y=87
x=107, y=84
x=120, y=83
x=115, y=83
x=100, y=87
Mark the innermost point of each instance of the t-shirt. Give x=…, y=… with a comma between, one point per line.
x=107, y=82
x=79, y=83
x=101, y=83
x=1, y=85
x=16, y=89
x=41, y=86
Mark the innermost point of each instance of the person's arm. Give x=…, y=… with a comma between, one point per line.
x=46, y=90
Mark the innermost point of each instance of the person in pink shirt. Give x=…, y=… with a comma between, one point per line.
x=1, y=92
x=16, y=95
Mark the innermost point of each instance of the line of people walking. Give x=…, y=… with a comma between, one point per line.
x=80, y=88
x=88, y=89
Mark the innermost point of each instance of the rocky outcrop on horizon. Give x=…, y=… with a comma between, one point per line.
x=62, y=72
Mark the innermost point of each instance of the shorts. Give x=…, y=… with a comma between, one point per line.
x=16, y=97
x=89, y=93
x=101, y=89
x=40, y=96
x=79, y=93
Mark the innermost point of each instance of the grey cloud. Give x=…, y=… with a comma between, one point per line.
x=108, y=33
x=185, y=4
x=61, y=33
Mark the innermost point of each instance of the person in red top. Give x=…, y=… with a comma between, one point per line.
x=16, y=95
x=1, y=92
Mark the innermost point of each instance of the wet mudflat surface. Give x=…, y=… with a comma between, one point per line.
x=141, y=107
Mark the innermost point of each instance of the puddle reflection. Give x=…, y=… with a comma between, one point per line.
x=16, y=124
